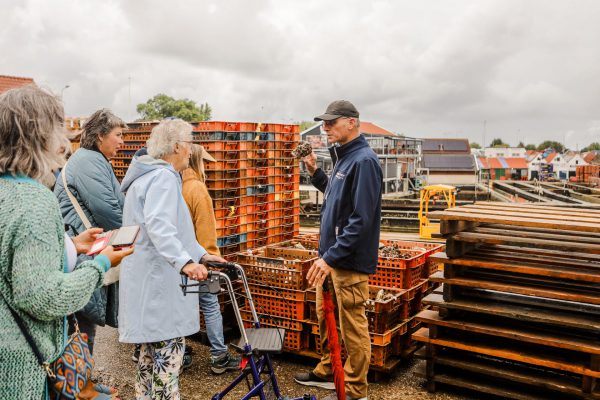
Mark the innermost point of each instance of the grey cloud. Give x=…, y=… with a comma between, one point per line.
x=434, y=68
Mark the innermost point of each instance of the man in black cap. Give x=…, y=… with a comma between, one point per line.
x=348, y=245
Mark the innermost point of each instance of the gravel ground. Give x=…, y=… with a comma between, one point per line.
x=114, y=367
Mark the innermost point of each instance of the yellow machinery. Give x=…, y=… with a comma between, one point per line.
x=433, y=193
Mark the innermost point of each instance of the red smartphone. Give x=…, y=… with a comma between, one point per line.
x=118, y=238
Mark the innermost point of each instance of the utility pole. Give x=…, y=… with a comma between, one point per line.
x=62, y=91
x=129, y=78
x=484, y=132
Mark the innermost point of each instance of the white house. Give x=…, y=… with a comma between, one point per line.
x=565, y=166
x=506, y=152
x=534, y=162
x=572, y=161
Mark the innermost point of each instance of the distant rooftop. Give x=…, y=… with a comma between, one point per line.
x=366, y=128
x=448, y=162
x=12, y=82
x=446, y=145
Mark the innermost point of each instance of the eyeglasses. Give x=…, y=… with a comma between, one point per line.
x=329, y=124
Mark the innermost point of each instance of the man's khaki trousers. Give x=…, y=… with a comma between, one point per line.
x=351, y=293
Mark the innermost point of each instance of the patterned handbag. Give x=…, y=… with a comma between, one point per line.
x=71, y=373
x=69, y=376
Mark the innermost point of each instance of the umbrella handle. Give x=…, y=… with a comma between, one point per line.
x=328, y=284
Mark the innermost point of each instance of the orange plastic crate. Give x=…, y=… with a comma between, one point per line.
x=224, y=165
x=224, y=174
x=285, y=145
x=257, y=242
x=283, y=269
x=286, y=162
x=287, y=136
x=279, y=302
x=261, y=171
x=248, y=126
x=270, y=320
x=222, y=184
x=294, y=340
x=287, y=186
x=210, y=126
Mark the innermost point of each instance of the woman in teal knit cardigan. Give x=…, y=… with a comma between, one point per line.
x=32, y=252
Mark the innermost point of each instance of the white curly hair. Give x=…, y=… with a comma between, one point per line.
x=166, y=135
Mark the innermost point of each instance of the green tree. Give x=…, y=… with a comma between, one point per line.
x=530, y=147
x=163, y=106
x=304, y=125
x=498, y=143
x=592, y=146
x=521, y=144
x=475, y=145
x=551, y=144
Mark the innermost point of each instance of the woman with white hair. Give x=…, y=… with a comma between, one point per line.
x=152, y=308
x=35, y=292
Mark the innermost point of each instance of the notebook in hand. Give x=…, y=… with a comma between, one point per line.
x=118, y=238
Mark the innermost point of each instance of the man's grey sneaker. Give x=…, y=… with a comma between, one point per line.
x=310, y=379
x=224, y=363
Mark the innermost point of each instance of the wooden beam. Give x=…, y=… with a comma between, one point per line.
x=550, y=339
x=527, y=290
x=507, y=353
x=531, y=314
x=491, y=239
x=512, y=220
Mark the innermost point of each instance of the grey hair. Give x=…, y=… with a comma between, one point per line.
x=98, y=125
x=33, y=140
x=166, y=135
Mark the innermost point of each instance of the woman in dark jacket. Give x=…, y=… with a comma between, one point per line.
x=93, y=184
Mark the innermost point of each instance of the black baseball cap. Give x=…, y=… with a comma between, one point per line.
x=337, y=109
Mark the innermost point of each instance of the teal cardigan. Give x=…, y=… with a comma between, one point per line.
x=32, y=281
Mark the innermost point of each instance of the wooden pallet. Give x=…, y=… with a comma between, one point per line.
x=518, y=312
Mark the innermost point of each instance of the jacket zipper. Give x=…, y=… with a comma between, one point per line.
x=337, y=160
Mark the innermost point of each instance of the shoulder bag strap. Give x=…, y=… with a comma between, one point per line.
x=84, y=219
x=36, y=351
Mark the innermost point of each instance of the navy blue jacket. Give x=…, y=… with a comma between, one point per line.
x=351, y=211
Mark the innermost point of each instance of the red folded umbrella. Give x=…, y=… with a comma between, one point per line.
x=333, y=339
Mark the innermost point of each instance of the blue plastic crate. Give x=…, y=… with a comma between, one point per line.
x=230, y=240
x=205, y=136
x=256, y=136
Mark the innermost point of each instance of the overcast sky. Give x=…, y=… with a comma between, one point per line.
x=531, y=69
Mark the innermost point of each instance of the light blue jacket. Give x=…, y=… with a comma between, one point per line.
x=151, y=304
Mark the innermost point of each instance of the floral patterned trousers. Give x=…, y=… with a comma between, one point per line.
x=158, y=370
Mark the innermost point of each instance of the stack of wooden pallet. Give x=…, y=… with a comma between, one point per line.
x=519, y=310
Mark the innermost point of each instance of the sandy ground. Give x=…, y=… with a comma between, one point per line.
x=114, y=367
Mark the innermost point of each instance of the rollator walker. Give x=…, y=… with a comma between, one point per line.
x=255, y=345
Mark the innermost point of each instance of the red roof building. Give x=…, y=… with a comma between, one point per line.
x=368, y=128
x=589, y=157
x=504, y=167
x=550, y=157
x=13, y=82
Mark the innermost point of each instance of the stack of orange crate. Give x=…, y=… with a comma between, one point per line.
x=277, y=280
x=585, y=172
x=254, y=182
